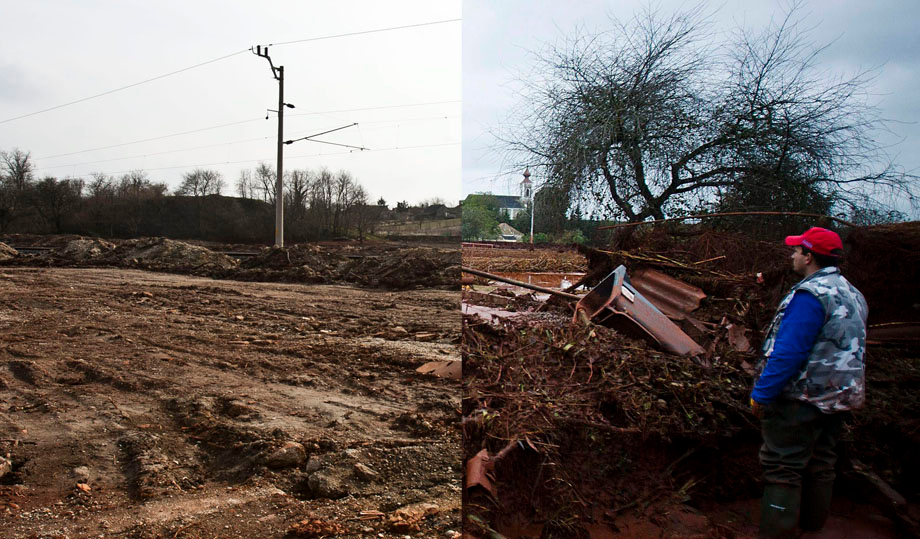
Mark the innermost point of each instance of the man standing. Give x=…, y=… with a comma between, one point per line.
x=812, y=371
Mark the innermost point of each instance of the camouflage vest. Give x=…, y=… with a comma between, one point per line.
x=833, y=378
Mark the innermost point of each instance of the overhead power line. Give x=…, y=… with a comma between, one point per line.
x=146, y=139
x=123, y=87
x=158, y=77
x=394, y=148
x=240, y=122
x=366, y=32
x=141, y=156
x=397, y=123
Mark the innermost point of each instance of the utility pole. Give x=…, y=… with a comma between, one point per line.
x=278, y=73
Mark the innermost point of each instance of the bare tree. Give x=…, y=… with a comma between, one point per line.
x=201, y=182
x=245, y=186
x=648, y=119
x=16, y=169
x=56, y=200
x=297, y=188
x=133, y=192
x=264, y=182
x=322, y=201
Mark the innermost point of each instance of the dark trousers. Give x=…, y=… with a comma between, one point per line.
x=798, y=443
x=798, y=466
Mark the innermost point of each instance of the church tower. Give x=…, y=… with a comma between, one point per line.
x=526, y=187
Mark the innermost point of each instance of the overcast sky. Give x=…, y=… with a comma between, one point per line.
x=402, y=87
x=499, y=37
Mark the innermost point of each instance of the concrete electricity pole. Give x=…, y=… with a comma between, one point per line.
x=278, y=73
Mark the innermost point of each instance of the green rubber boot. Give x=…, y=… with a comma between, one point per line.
x=779, y=511
x=816, y=503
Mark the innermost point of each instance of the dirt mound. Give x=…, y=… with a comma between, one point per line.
x=83, y=250
x=418, y=267
x=508, y=259
x=389, y=266
x=7, y=252
x=884, y=263
x=169, y=255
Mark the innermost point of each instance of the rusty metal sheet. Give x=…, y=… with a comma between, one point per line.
x=737, y=338
x=479, y=472
x=443, y=369
x=615, y=303
x=675, y=298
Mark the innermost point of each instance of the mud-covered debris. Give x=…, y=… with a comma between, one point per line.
x=86, y=250
x=314, y=527
x=7, y=252
x=397, y=332
x=409, y=518
x=162, y=253
x=737, y=337
x=365, y=472
x=442, y=369
x=327, y=484
x=81, y=474
x=6, y=466
x=314, y=464
x=289, y=455
x=479, y=471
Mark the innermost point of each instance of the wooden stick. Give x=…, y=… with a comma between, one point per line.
x=728, y=214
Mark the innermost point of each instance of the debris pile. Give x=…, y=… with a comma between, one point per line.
x=380, y=266
x=512, y=258
x=387, y=266
x=85, y=250
x=892, y=251
x=569, y=426
x=7, y=252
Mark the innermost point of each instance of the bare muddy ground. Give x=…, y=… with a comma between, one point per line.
x=138, y=404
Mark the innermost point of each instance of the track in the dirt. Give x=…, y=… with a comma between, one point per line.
x=137, y=404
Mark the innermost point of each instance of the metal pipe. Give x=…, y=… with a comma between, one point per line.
x=565, y=295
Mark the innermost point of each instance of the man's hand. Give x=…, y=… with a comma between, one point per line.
x=756, y=409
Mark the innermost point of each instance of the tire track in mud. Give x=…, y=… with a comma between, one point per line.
x=150, y=389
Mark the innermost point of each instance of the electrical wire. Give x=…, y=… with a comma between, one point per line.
x=286, y=158
x=123, y=87
x=140, y=156
x=223, y=58
x=376, y=108
x=365, y=32
x=238, y=123
x=146, y=139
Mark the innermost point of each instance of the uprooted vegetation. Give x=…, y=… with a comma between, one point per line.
x=586, y=428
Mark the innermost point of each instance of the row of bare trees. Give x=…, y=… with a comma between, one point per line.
x=318, y=204
x=104, y=205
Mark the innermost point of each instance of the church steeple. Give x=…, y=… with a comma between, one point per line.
x=526, y=186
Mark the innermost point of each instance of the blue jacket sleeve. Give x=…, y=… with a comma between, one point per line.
x=798, y=331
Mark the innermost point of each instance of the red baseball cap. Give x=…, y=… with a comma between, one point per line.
x=817, y=239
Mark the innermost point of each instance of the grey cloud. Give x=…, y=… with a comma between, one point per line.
x=14, y=84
